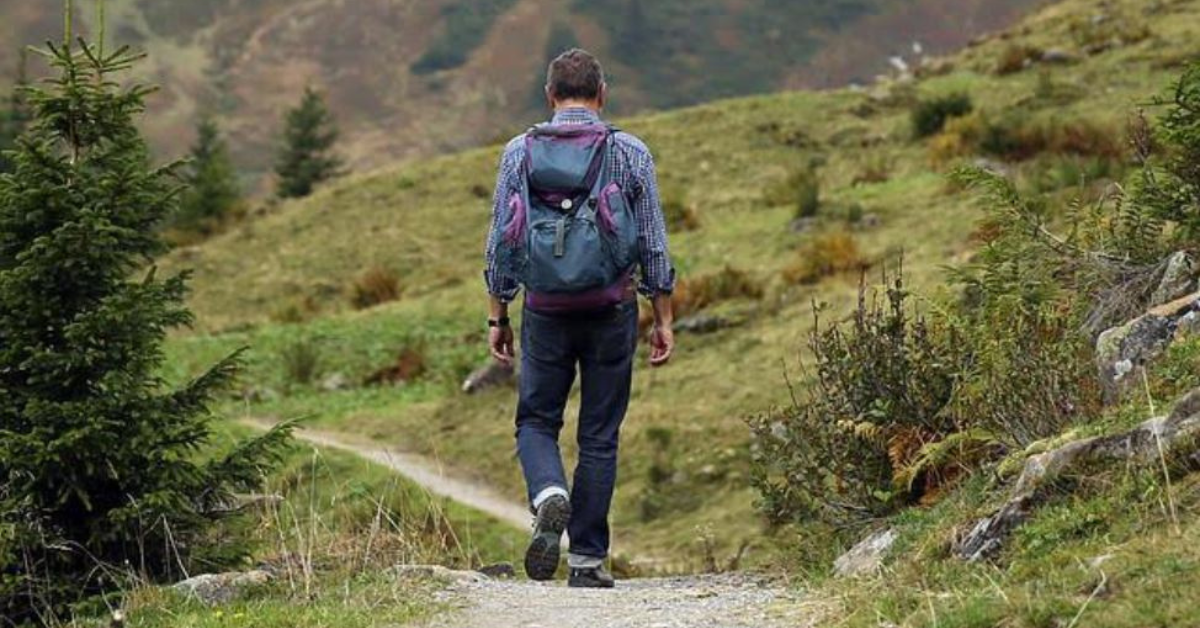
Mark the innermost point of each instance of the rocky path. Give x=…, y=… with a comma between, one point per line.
x=725, y=601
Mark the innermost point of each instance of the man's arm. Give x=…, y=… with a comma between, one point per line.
x=501, y=288
x=658, y=274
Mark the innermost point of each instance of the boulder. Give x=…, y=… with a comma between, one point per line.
x=1120, y=350
x=1178, y=279
x=867, y=557
x=335, y=382
x=499, y=570
x=437, y=572
x=1057, y=56
x=217, y=589
x=491, y=375
x=701, y=324
x=1170, y=438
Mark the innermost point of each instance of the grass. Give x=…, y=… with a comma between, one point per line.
x=342, y=523
x=426, y=221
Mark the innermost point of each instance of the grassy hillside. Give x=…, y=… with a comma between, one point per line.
x=281, y=283
x=420, y=77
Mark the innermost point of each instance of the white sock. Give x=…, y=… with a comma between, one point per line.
x=578, y=561
x=547, y=493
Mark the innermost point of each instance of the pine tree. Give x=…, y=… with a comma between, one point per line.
x=102, y=464
x=307, y=156
x=212, y=178
x=14, y=117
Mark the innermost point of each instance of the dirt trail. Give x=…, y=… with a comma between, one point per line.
x=426, y=473
x=724, y=601
x=727, y=601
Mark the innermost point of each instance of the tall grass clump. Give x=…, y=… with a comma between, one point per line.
x=929, y=117
x=376, y=286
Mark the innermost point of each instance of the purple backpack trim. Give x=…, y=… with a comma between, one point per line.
x=583, y=301
x=516, y=226
x=604, y=215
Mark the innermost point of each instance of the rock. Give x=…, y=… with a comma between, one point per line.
x=217, y=589
x=1120, y=350
x=867, y=557
x=1178, y=280
x=701, y=324
x=489, y=376
x=499, y=570
x=335, y=382
x=437, y=572
x=800, y=225
x=1057, y=56
x=1173, y=437
x=998, y=168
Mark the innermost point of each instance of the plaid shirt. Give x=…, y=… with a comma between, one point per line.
x=632, y=167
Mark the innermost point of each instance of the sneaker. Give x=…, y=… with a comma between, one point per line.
x=541, y=559
x=591, y=578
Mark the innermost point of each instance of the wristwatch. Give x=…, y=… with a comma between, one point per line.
x=503, y=322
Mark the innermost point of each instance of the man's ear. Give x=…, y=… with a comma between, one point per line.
x=603, y=99
x=549, y=96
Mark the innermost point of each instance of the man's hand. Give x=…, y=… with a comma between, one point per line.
x=500, y=340
x=662, y=345
x=662, y=338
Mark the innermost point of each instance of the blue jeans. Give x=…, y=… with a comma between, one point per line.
x=601, y=345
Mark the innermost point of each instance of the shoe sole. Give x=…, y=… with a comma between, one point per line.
x=541, y=559
x=590, y=585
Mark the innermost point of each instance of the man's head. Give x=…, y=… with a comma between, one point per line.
x=575, y=78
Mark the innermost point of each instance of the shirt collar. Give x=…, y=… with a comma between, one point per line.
x=575, y=115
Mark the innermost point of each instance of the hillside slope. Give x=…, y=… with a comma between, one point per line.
x=419, y=77
x=683, y=493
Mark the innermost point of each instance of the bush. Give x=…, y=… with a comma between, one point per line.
x=1016, y=58
x=801, y=189
x=679, y=215
x=409, y=365
x=880, y=385
x=929, y=117
x=376, y=286
x=823, y=256
x=695, y=293
x=301, y=362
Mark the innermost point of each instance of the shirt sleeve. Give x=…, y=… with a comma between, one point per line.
x=499, y=284
x=658, y=274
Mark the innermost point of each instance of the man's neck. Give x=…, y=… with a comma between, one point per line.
x=591, y=106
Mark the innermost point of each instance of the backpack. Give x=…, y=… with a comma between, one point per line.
x=570, y=234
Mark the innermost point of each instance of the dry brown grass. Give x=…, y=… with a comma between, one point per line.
x=376, y=286
x=825, y=255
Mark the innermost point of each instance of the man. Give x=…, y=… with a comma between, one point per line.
x=597, y=338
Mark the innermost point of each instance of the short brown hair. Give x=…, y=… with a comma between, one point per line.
x=575, y=75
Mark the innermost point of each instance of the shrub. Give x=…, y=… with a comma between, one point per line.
x=801, y=189
x=695, y=293
x=301, y=362
x=929, y=117
x=879, y=387
x=376, y=286
x=1015, y=58
x=823, y=256
x=679, y=215
x=409, y=365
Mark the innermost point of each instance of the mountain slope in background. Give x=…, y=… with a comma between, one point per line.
x=419, y=77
